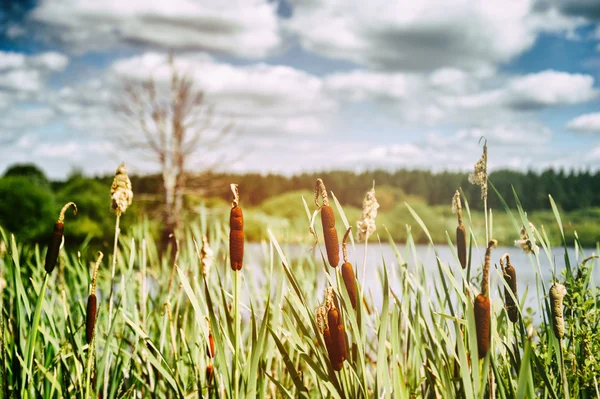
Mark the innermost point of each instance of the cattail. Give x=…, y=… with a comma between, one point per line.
x=56, y=238
x=335, y=339
x=90, y=321
x=461, y=233
x=348, y=272
x=557, y=293
x=480, y=175
x=482, y=321
x=210, y=347
x=510, y=277
x=210, y=374
x=328, y=221
x=482, y=306
x=330, y=323
x=236, y=233
x=121, y=194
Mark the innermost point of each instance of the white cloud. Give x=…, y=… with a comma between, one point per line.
x=422, y=35
x=550, y=88
x=453, y=96
x=258, y=98
x=241, y=27
x=587, y=123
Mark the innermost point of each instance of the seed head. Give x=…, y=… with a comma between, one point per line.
x=206, y=256
x=526, y=242
x=366, y=224
x=557, y=294
x=480, y=175
x=457, y=207
x=120, y=192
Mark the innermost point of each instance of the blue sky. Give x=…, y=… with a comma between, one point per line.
x=309, y=85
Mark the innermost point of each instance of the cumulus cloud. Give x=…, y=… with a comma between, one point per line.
x=550, y=88
x=22, y=76
x=423, y=35
x=587, y=123
x=260, y=98
x=450, y=95
x=246, y=28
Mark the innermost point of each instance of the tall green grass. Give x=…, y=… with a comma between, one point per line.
x=417, y=341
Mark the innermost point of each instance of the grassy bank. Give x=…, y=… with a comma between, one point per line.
x=157, y=341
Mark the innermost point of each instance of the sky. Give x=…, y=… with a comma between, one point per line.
x=309, y=84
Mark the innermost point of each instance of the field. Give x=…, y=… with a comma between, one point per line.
x=189, y=326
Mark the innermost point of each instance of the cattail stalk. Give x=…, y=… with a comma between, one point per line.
x=328, y=221
x=510, y=277
x=482, y=306
x=57, y=238
x=348, y=272
x=236, y=254
x=121, y=197
x=461, y=233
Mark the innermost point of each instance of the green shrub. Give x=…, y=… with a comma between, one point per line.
x=26, y=209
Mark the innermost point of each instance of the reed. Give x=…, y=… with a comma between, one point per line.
x=330, y=236
x=57, y=238
x=236, y=232
x=461, y=232
x=90, y=321
x=482, y=306
x=348, y=271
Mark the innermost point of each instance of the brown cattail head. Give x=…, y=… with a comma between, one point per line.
x=510, y=277
x=335, y=334
x=328, y=221
x=348, y=271
x=330, y=235
x=210, y=374
x=557, y=293
x=482, y=321
x=90, y=321
x=349, y=282
x=211, y=345
x=461, y=245
x=236, y=233
x=56, y=238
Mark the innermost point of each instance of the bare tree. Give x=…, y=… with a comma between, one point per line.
x=171, y=122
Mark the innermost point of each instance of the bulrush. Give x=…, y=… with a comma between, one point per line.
x=510, y=277
x=236, y=233
x=482, y=306
x=90, y=321
x=56, y=238
x=332, y=245
x=210, y=347
x=331, y=324
x=461, y=233
x=557, y=293
x=348, y=271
